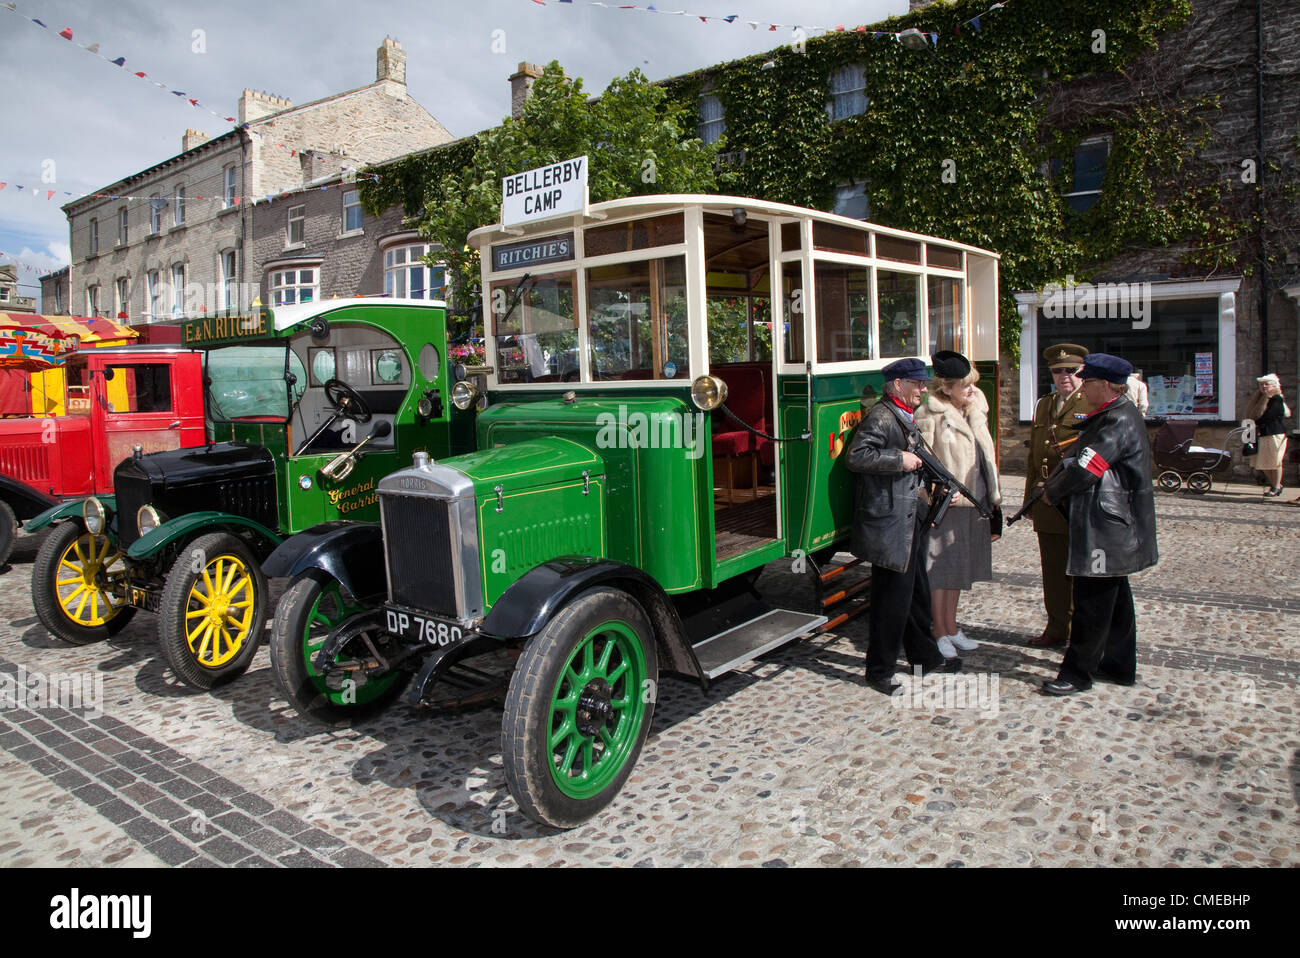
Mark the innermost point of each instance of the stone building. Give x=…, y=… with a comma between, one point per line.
x=172, y=240
x=10, y=300
x=55, y=298
x=317, y=243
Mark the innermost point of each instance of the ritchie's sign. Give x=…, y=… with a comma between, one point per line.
x=556, y=190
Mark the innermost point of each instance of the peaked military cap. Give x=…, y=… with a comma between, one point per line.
x=1064, y=355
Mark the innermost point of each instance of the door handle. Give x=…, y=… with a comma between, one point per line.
x=174, y=424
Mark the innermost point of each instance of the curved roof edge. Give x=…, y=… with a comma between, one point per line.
x=629, y=204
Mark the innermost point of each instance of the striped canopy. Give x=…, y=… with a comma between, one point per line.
x=89, y=330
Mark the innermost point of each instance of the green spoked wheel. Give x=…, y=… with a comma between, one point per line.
x=579, y=708
x=311, y=610
x=213, y=611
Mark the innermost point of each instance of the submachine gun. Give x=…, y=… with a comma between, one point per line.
x=943, y=485
x=1042, y=486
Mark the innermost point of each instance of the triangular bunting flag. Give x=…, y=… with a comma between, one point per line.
x=976, y=24
x=66, y=33
x=49, y=193
x=93, y=48
x=38, y=23
x=120, y=62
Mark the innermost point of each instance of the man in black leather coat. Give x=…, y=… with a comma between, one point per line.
x=1106, y=489
x=887, y=517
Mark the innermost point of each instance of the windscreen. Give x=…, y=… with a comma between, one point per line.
x=248, y=382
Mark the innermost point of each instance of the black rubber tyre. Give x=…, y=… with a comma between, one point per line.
x=59, y=553
x=8, y=531
x=308, y=612
x=210, y=574
x=1200, y=482
x=1170, y=481
x=529, y=733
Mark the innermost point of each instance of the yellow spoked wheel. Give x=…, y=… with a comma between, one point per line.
x=82, y=593
x=70, y=585
x=220, y=611
x=213, y=610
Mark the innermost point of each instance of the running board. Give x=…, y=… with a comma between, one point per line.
x=743, y=643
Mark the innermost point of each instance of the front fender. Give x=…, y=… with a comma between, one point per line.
x=351, y=552
x=23, y=499
x=536, y=597
x=66, y=510
x=188, y=526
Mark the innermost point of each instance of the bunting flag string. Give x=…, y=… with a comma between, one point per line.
x=932, y=37
x=93, y=48
x=8, y=259
x=48, y=194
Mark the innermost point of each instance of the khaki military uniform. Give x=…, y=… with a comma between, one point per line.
x=1055, y=420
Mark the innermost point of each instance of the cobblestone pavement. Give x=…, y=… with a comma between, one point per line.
x=789, y=762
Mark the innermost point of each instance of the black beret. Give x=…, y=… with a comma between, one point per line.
x=950, y=365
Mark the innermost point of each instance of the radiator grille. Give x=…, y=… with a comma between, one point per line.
x=253, y=498
x=132, y=492
x=30, y=463
x=417, y=535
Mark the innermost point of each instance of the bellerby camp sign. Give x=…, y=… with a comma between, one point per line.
x=556, y=190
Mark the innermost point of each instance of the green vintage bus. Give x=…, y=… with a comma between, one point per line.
x=672, y=381
x=307, y=407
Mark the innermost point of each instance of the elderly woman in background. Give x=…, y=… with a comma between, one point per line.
x=1269, y=409
x=954, y=421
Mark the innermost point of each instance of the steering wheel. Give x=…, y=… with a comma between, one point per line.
x=346, y=400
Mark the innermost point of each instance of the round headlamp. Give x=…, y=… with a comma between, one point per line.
x=424, y=407
x=463, y=395
x=92, y=512
x=147, y=519
x=708, y=392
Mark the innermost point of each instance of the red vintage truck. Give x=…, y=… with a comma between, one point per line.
x=119, y=398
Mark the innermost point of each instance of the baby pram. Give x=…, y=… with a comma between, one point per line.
x=1179, y=459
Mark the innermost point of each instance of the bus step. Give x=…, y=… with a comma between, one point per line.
x=847, y=598
x=855, y=608
x=742, y=643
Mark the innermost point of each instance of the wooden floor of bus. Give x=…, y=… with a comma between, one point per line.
x=745, y=525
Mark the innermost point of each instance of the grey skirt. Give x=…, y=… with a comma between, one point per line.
x=959, y=551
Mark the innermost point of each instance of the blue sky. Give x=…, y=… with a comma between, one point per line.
x=87, y=123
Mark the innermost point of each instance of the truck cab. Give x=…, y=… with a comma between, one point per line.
x=121, y=398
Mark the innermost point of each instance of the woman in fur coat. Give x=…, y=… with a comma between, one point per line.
x=953, y=420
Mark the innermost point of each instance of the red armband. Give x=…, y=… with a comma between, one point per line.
x=1092, y=461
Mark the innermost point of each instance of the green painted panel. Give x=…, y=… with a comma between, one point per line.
x=536, y=525
x=655, y=466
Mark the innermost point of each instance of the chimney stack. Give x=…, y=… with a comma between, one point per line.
x=193, y=138
x=521, y=85
x=254, y=104
x=390, y=62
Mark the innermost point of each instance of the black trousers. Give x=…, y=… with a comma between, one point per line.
x=900, y=614
x=1103, y=631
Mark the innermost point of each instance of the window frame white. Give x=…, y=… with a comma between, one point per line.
x=123, y=226
x=275, y=289
x=227, y=263
x=94, y=235
x=178, y=289
x=228, y=187
x=156, y=207
x=355, y=205
x=152, y=294
x=122, y=297
x=178, y=214
x=300, y=220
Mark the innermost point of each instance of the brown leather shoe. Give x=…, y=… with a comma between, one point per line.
x=1046, y=641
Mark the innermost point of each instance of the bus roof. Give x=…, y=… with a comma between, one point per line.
x=645, y=205
x=298, y=313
